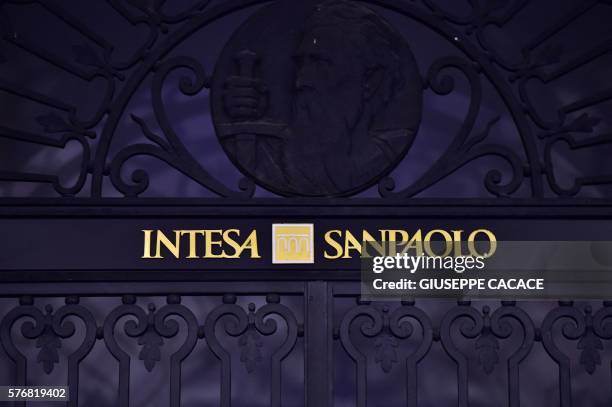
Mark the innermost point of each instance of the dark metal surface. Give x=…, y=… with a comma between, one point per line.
x=323, y=110
x=523, y=160
x=379, y=338
x=106, y=114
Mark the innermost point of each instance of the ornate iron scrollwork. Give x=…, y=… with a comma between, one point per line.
x=386, y=327
x=169, y=148
x=48, y=330
x=249, y=328
x=576, y=325
x=150, y=328
x=390, y=337
x=93, y=58
x=487, y=330
x=466, y=146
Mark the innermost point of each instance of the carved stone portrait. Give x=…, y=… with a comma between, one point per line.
x=316, y=99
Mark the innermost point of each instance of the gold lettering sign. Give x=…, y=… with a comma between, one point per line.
x=196, y=244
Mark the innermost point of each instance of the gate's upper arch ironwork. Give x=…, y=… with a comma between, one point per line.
x=112, y=119
x=503, y=102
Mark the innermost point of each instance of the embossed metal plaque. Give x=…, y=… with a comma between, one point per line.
x=322, y=103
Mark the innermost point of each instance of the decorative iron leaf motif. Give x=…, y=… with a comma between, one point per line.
x=53, y=123
x=487, y=346
x=478, y=138
x=151, y=343
x=386, y=353
x=48, y=343
x=590, y=345
x=150, y=135
x=250, y=343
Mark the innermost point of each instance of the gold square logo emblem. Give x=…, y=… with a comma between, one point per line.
x=292, y=243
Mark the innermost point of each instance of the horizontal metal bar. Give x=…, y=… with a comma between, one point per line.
x=309, y=211
x=165, y=279
x=191, y=288
x=307, y=208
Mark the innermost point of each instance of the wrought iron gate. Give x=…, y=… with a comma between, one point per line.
x=132, y=113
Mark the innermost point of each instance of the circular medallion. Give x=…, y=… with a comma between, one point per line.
x=316, y=98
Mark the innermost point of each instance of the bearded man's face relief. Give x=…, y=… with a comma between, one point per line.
x=323, y=104
x=329, y=83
